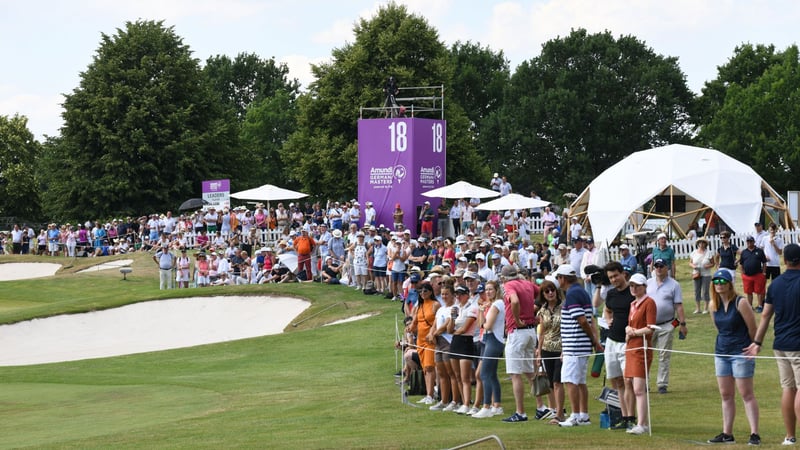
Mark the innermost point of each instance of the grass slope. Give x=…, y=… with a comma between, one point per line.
x=311, y=387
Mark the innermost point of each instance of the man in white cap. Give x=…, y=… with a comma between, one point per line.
x=484, y=271
x=578, y=338
x=426, y=216
x=626, y=258
x=669, y=304
x=496, y=181
x=370, y=214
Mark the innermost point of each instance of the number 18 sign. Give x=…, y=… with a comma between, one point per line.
x=398, y=159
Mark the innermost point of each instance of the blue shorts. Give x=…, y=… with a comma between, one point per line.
x=736, y=366
x=398, y=276
x=379, y=271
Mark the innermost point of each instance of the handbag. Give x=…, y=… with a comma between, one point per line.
x=541, y=385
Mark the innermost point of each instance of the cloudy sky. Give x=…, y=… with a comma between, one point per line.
x=46, y=44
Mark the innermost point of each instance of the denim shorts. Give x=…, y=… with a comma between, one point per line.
x=736, y=366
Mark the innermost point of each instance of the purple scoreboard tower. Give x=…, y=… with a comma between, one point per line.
x=398, y=160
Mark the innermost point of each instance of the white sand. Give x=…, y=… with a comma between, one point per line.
x=144, y=327
x=108, y=265
x=24, y=271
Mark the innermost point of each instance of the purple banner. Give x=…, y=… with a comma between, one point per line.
x=217, y=193
x=398, y=160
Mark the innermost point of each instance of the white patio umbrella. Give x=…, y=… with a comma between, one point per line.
x=461, y=189
x=268, y=193
x=513, y=201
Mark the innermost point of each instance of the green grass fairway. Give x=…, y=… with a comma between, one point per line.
x=310, y=387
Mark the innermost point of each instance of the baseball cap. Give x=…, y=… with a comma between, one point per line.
x=480, y=256
x=461, y=289
x=469, y=274
x=791, y=253
x=496, y=256
x=480, y=289
x=661, y=235
x=562, y=246
x=723, y=274
x=751, y=238
x=624, y=247
x=414, y=277
x=638, y=279
x=566, y=270
x=509, y=271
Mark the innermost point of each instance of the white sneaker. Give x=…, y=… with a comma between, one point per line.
x=463, y=410
x=498, y=411
x=437, y=407
x=638, y=429
x=483, y=414
x=789, y=441
x=428, y=400
x=452, y=406
x=472, y=411
x=584, y=422
x=571, y=421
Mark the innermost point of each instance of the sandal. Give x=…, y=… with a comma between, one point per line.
x=555, y=420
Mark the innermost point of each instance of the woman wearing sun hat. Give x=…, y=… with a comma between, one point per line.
x=736, y=326
x=702, y=262
x=641, y=318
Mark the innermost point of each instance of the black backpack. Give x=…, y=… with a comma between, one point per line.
x=369, y=288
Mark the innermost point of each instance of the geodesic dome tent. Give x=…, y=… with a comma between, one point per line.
x=678, y=184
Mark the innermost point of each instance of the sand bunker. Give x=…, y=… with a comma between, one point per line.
x=145, y=327
x=24, y=271
x=108, y=265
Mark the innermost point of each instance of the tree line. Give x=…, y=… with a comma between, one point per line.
x=148, y=121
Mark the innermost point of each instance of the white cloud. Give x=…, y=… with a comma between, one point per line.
x=300, y=67
x=43, y=112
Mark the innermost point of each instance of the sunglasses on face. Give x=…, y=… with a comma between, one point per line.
x=659, y=266
x=549, y=290
x=720, y=281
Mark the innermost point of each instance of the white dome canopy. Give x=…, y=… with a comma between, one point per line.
x=707, y=178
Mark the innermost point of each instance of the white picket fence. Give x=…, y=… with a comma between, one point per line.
x=684, y=247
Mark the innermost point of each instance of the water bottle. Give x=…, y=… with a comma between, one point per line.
x=681, y=335
x=605, y=421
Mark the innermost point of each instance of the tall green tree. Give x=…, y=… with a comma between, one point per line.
x=267, y=126
x=587, y=101
x=745, y=67
x=758, y=124
x=142, y=130
x=247, y=79
x=479, y=77
x=19, y=151
x=321, y=156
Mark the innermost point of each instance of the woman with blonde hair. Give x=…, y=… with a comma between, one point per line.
x=736, y=328
x=494, y=342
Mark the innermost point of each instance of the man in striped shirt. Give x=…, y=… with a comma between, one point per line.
x=578, y=337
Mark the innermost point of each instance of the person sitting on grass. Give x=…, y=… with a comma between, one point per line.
x=330, y=271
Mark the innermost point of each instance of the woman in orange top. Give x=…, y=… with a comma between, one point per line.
x=640, y=319
x=424, y=318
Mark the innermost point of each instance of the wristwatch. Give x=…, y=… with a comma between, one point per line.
x=683, y=324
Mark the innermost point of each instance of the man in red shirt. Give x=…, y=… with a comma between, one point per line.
x=520, y=318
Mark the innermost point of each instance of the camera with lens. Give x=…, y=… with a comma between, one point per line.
x=597, y=275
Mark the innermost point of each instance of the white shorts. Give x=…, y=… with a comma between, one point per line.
x=202, y=279
x=52, y=246
x=359, y=270
x=573, y=368
x=520, y=351
x=615, y=358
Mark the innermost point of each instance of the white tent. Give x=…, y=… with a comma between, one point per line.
x=676, y=183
